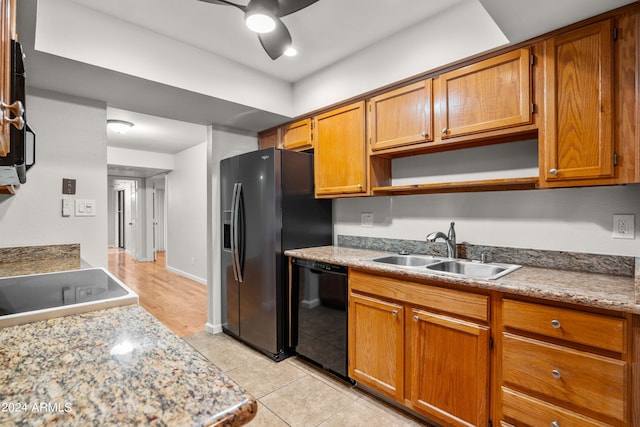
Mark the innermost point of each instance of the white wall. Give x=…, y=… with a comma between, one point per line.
x=140, y=158
x=186, y=200
x=428, y=45
x=71, y=142
x=575, y=220
x=220, y=145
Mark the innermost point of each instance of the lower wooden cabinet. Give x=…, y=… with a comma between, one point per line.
x=433, y=363
x=563, y=367
x=449, y=370
x=377, y=360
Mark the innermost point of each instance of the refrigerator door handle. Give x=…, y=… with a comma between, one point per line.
x=235, y=213
x=234, y=231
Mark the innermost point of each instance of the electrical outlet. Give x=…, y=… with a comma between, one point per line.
x=624, y=227
x=366, y=219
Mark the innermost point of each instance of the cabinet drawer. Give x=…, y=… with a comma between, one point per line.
x=525, y=410
x=595, y=330
x=587, y=380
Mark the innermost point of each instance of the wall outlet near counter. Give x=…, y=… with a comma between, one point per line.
x=366, y=219
x=624, y=226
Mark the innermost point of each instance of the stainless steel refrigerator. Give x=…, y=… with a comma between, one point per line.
x=268, y=206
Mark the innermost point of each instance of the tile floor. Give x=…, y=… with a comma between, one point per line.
x=293, y=392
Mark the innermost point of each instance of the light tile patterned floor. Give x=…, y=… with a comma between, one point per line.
x=293, y=392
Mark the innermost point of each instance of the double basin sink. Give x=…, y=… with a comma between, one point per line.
x=458, y=267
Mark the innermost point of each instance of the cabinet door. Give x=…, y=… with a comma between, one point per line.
x=376, y=345
x=492, y=94
x=577, y=140
x=401, y=117
x=7, y=31
x=449, y=369
x=340, y=157
x=297, y=136
x=268, y=139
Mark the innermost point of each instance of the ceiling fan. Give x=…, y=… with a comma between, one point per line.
x=263, y=17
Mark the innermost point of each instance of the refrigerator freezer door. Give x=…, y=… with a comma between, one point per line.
x=230, y=287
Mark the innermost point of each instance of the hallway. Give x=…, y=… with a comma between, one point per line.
x=179, y=303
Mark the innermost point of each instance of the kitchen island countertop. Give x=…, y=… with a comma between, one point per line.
x=118, y=366
x=587, y=289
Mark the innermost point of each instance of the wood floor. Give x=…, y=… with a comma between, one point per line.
x=179, y=303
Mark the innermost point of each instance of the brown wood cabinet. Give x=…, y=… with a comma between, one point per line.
x=563, y=366
x=298, y=136
x=401, y=117
x=488, y=95
x=269, y=138
x=378, y=359
x=577, y=141
x=449, y=373
x=340, y=159
x=407, y=342
x=7, y=32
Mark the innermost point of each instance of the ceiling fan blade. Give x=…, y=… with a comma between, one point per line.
x=277, y=41
x=287, y=7
x=226, y=3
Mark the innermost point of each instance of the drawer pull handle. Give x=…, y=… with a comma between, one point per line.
x=555, y=424
x=555, y=323
x=556, y=374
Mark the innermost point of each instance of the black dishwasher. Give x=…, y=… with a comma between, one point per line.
x=319, y=314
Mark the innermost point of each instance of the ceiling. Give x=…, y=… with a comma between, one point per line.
x=169, y=117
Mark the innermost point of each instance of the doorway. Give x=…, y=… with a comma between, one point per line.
x=120, y=219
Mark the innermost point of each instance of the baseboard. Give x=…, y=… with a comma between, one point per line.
x=212, y=329
x=187, y=275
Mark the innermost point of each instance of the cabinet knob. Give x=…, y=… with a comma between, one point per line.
x=555, y=323
x=555, y=424
x=17, y=122
x=416, y=318
x=553, y=171
x=17, y=109
x=424, y=134
x=394, y=312
x=444, y=130
x=556, y=374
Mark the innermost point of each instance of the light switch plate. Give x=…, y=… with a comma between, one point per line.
x=624, y=226
x=85, y=207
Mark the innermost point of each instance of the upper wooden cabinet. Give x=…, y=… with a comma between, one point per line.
x=298, y=136
x=577, y=140
x=269, y=138
x=488, y=95
x=340, y=153
x=401, y=117
x=7, y=33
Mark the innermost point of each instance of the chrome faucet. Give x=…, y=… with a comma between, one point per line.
x=450, y=240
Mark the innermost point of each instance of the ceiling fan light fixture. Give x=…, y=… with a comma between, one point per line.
x=119, y=126
x=260, y=21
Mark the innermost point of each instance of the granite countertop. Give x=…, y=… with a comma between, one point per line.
x=118, y=366
x=588, y=289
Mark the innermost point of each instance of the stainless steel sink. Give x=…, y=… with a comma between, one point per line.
x=406, y=260
x=473, y=269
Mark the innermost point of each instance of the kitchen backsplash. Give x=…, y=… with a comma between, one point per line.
x=15, y=261
x=575, y=261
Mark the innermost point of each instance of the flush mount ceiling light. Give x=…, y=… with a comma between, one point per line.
x=263, y=17
x=119, y=126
